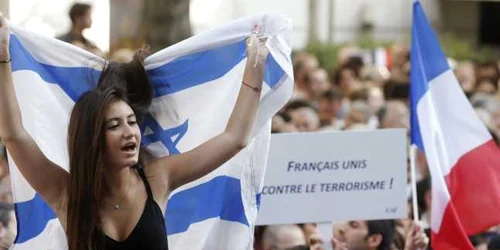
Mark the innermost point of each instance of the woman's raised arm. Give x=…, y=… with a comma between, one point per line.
x=186, y=167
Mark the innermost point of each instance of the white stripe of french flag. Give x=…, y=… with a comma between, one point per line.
x=463, y=159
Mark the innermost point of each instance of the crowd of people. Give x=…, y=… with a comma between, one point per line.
x=361, y=95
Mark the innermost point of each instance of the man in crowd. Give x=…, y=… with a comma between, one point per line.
x=303, y=65
x=80, y=15
x=375, y=235
x=394, y=114
x=329, y=106
x=365, y=235
x=281, y=237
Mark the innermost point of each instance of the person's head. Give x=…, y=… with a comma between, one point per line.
x=424, y=195
x=345, y=79
x=397, y=90
x=359, y=113
x=368, y=235
x=316, y=82
x=281, y=123
x=394, y=114
x=80, y=15
x=311, y=232
x=487, y=86
x=305, y=119
x=400, y=54
x=488, y=69
x=302, y=66
x=466, y=76
x=8, y=224
x=356, y=64
x=303, y=116
x=329, y=105
x=348, y=51
x=103, y=136
x=280, y=237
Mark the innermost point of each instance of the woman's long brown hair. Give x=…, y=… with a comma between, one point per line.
x=86, y=141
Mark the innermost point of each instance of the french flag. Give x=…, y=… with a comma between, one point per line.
x=464, y=160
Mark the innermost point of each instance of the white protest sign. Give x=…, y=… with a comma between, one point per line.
x=335, y=176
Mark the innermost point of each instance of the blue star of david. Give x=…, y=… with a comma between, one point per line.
x=163, y=135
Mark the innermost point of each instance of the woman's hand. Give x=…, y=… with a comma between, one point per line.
x=4, y=39
x=256, y=50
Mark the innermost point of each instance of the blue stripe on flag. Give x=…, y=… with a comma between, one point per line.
x=258, y=197
x=73, y=80
x=220, y=197
x=36, y=214
x=182, y=73
x=427, y=62
x=192, y=70
x=274, y=73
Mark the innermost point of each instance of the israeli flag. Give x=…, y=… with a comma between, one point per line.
x=196, y=83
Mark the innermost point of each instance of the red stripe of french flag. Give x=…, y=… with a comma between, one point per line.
x=474, y=187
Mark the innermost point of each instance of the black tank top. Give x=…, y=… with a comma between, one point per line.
x=150, y=232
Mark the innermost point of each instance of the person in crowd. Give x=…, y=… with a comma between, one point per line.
x=487, y=69
x=394, y=114
x=358, y=114
x=466, y=76
x=365, y=235
x=81, y=19
x=376, y=235
x=305, y=119
x=303, y=116
x=311, y=232
x=303, y=65
x=329, y=106
x=315, y=83
x=345, y=80
x=400, y=67
x=281, y=237
x=487, y=86
x=424, y=199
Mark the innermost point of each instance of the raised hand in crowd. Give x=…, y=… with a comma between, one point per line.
x=416, y=239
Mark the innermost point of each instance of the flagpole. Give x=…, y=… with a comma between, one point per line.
x=413, y=151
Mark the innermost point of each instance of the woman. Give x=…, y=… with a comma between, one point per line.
x=109, y=201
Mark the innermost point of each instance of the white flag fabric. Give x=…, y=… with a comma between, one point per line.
x=196, y=83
